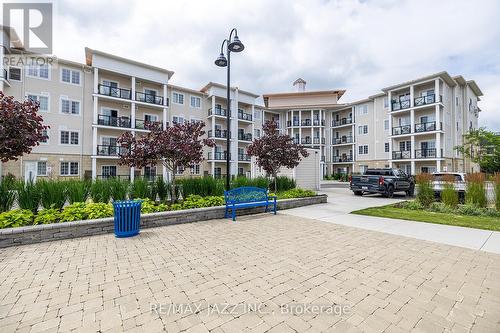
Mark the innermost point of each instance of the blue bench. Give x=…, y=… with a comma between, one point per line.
x=246, y=197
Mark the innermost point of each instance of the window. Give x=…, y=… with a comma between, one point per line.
x=15, y=73
x=386, y=102
x=150, y=172
x=42, y=99
x=386, y=124
x=257, y=133
x=362, y=109
x=70, y=106
x=363, y=129
x=256, y=114
x=45, y=133
x=178, y=98
x=177, y=120
x=69, y=137
x=70, y=76
x=363, y=150
x=179, y=170
x=456, y=101
x=195, y=102
x=39, y=71
x=41, y=168
x=108, y=171
x=69, y=168
x=405, y=146
x=386, y=146
x=195, y=169
x=363, y=168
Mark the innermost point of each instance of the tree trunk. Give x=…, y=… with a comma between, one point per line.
x=275, y=188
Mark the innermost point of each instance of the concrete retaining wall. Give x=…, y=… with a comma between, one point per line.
x=57, y=231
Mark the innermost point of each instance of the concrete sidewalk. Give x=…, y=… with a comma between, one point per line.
x=341, y=202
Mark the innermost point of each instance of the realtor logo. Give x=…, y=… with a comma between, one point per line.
x=30, y=26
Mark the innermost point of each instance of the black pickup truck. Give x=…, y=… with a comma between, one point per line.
x=383, y=181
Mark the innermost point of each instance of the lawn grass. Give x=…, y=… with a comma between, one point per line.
x=478, y=222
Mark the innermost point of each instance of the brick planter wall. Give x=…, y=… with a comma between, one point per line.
x=57, y=231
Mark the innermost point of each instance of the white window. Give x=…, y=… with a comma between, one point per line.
x=15, y=73
x=257, y=133
x=362, y=109
x=70, y=76
x=108, y=171
x=41, y=167
x=386, y=146
x=195, y=102
x=70, y=106
x=195, y=169
x=39, y=71
x=151, y=117
x=150, y=172
x=257, y=113
x=42, y=99
x=69, y=138
x=363, y=129
x=46, y=135
x=178, y=98
x=179, y=170
x=177, y=120
x=363, y=168
x=386, y=102
x=386, y=124
x=363, y=150
x=69, y=169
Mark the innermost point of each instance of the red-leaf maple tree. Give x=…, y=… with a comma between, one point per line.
x=274, y=150
x=21, y=127
x=179, y=145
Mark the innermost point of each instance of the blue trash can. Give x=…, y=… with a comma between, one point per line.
x=127, y=217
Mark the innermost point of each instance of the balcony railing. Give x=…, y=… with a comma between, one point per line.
x=343, y=121
x=148, y=98
x=114, y=91
x=401, y=155
x=244, y=157
x=401, y=130
x=426, y=153
x=342, y=139
x=323, y=158
x=218, y=134
x=427, y=127
x=296, y=140
x=317, y=141
x=113, y=121
x=305, y=122
x=342, y=159
x=245, y=136
x=423, y=100
x=306, y=141
x=244, y=116
x=218, y=112
x=107, y=150
x=317, y=122
x=400, y=105
x=219, y=156
x=292, y=123
x=146, y=124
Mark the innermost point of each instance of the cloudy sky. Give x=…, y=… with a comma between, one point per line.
x=360, y=46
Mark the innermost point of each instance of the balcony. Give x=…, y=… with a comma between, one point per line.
x=401, y=155
x=427, y=127
x=306, y=141
x=427, y=153
x=149, y=98
x=244, y=157
x=296, y=140
x=401, y=130
x=106, y=150
x=245, y=136
x=342, y=159
x=318, y=141
x=342, y=122
x=424, y=100
x=105, y=120
x=114, y=91
x=323, y=158
x=400, y=105
x=244, y=116
x=305, y=122
x=222, y=134
x=317, y=122
x=218, y=156
x=218, y=112
x=343, y=139
x=146, y=124
x=292, y=123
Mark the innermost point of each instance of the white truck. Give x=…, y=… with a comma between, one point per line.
x=459, y=183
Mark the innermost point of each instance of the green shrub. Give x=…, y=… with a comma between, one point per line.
x=52, y=193
x=152, y=191
x=148, y=206
x=139, y=189
x=440, y=207
x=283, y=183
x=162, y=188
x=28, y=195
x=16, y=218
x=74, y=212
x=175, y=206
x=469, y=209
x=296, y=193
x=7, y=194
x=412, y=204
x=497, y=191
x=196, y=201
x=475, y=194
x=204, y=186
x=118, y=189
x=449, y=196
x=100, y=191
x=77, y=190
x=425, y=193
x=46, y=216
x=98, y=210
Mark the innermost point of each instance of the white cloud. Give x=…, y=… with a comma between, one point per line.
x=361, y=46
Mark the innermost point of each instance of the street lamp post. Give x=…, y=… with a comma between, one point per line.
x=233, y=44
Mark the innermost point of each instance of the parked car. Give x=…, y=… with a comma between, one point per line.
x=383, y=181
x=459, y=183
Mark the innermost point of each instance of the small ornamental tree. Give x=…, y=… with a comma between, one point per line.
x=482, y=147
x=21, y=127
x=176, y=146
x=274, y=150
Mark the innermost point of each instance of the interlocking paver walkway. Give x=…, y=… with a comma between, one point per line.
x=388, y=283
